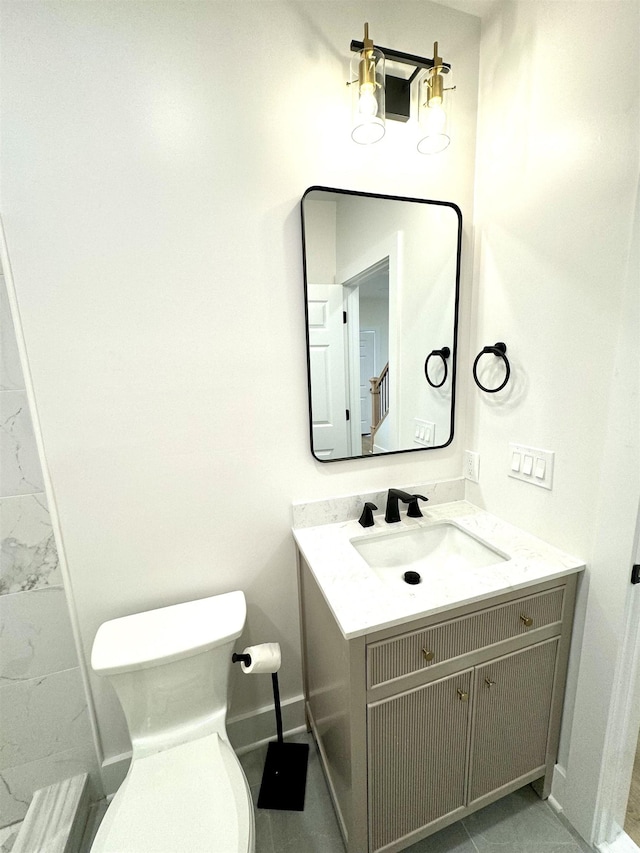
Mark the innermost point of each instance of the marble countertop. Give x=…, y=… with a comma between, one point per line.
x=361, y=602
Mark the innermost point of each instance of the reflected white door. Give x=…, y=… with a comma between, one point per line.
x=367, y=372
x=328, y=371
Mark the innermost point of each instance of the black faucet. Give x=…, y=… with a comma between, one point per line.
x=392, y=513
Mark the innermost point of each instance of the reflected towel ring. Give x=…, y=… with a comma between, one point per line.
x=498, y=349
x=444, y=354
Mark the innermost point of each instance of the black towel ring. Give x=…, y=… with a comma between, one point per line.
x=444, y=354
x=498, y=349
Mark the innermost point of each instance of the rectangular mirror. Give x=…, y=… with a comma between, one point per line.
x=381, y=279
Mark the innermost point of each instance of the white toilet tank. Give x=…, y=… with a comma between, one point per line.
x=170, y=668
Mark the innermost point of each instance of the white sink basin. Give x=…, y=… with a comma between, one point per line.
x=443, y=547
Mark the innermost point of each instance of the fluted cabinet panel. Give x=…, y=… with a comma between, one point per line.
x=512, y=706
x=417, y=757
x=394, y=658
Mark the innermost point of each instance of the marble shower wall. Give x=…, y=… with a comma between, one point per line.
x=45, y=734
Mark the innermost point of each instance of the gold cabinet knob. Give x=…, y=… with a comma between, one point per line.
x=527, y=621
x=428, y=655
x=489, y=682
x=462, y=696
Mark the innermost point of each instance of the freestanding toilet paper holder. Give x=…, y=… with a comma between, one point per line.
x=284, y=778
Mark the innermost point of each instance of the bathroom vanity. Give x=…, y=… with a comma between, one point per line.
x=430, y=701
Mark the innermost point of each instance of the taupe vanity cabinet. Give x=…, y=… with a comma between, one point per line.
x=421, y=724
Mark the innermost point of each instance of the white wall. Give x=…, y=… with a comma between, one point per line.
x=374, y=316
x=153, y=158
x=557, y=180
x=320, y=241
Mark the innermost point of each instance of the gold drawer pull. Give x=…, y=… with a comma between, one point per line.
x=428, y=655
x=527, y=621
x=489, y=682
x=462, y=696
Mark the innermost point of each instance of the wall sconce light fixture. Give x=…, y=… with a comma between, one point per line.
x=434, y=107
x=377, y=95
x=368, y=89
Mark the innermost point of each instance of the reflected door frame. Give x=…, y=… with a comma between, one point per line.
x=368, y=355
x=349, y=276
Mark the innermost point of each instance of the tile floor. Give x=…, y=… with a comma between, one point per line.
x=520, y=823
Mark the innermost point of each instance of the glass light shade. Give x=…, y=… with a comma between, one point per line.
x=434, y=110
x=367, y=92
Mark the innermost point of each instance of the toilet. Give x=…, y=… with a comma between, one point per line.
x=185, y=789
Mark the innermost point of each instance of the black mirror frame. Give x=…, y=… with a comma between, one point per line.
x=454, y=348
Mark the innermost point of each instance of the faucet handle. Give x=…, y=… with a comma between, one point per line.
x=366, y=519
x=414, y=509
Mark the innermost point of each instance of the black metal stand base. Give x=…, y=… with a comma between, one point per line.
x=284, y=778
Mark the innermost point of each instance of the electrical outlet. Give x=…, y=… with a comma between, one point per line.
x=471, y=468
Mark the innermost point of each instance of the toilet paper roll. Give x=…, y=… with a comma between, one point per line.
x=264, y=658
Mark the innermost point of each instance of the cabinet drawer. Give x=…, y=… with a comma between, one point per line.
x=419, y=650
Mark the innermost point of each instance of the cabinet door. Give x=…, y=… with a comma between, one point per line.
x=512, y=699
x=417, y=753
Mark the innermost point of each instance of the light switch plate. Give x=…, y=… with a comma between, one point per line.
x=531, y=464
x=424, y=433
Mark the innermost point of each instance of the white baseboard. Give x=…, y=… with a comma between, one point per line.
x=555, y=805
x=622, y=844
x=558, y=786
x=246, y=732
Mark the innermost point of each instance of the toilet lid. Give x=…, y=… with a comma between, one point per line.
x=193, y=797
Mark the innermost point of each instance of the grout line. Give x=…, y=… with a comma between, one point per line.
x=23, y=495
x=464, y=826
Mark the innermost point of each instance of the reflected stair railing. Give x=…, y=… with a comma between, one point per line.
x=379, y=402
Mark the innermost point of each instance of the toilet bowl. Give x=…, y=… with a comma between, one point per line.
x=185, y=789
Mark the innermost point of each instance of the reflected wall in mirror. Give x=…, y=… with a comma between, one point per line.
x=381, y=276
